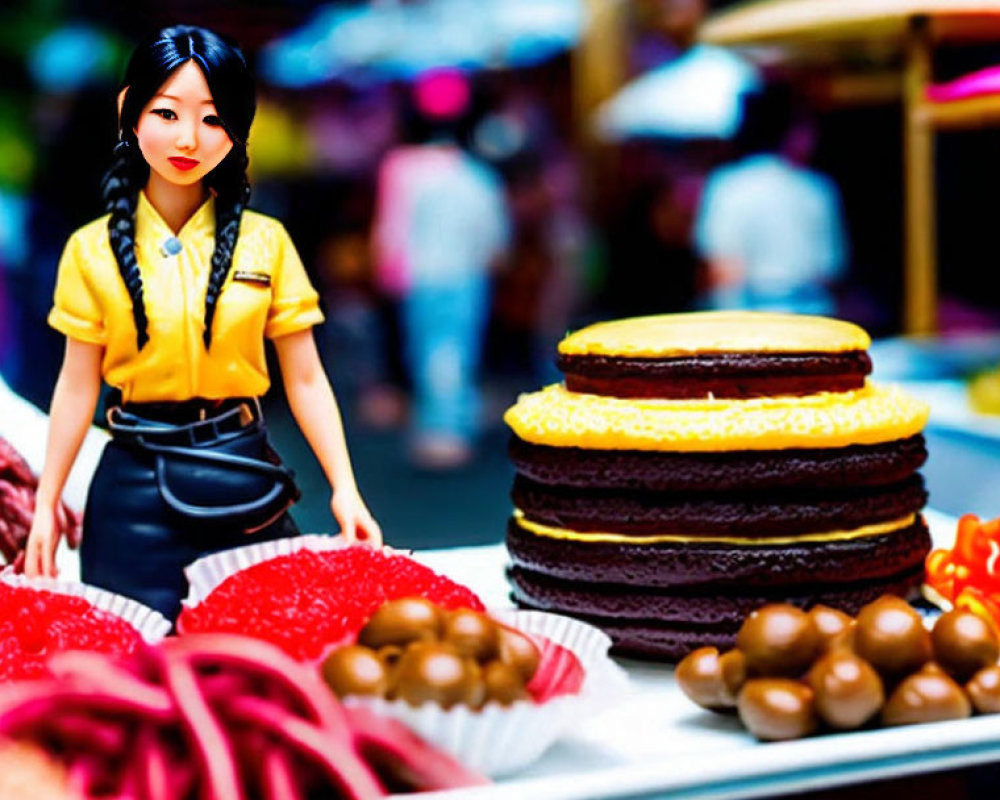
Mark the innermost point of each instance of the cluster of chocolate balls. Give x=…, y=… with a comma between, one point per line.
x=793, y=671
x=413, y=650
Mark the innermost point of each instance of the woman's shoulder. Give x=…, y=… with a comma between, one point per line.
x=256, y=223
x=93, y=234
x=262, y=232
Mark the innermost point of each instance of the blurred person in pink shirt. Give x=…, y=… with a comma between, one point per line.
x=441, y=225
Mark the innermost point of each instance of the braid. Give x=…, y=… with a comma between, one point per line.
x=121, y=193
x=229, y=207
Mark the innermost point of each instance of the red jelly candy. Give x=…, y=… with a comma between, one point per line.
x=559, y=672
x=307, y=602
x=36, y=623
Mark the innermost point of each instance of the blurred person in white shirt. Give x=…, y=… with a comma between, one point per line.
x=770, y=229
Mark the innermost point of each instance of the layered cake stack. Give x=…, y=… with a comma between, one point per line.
x=693, y=467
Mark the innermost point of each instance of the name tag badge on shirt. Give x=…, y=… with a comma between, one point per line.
x=249, y=276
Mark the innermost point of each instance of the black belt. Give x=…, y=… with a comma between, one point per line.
x=178, y=412
x=214, y=469
x=167, y=423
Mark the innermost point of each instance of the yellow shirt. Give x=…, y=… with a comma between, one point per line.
x=266, y=294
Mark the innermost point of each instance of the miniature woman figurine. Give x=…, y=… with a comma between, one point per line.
x=169, y=298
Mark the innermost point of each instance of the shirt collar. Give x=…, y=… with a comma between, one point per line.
x=149, y=222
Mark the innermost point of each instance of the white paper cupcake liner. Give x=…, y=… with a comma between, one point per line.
x=151, y=625
x=498, y=740
x=205, y=574
x=495, y=740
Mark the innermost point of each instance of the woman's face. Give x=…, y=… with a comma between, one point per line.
x=179, y=133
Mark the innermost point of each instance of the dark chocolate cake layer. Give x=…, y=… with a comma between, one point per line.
x=837, y=467
x=707, y=606
x=751, y=514
x=729, y=375
x=671, y=641
x=672, y=564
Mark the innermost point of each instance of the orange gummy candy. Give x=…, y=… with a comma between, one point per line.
x=969, y=573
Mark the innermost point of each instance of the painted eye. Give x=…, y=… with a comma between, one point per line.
x=213, y=120
x=166, y=113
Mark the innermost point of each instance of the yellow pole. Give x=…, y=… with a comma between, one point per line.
x=598, y=66
x=920, y=277
x=599, y=58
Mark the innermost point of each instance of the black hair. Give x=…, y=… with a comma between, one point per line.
x=768, y=114
x=232, y=87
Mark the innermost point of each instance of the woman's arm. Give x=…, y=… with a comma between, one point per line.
x=73, y=404
x=314, y=407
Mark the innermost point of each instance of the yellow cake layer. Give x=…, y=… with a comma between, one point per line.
x=707, y=332
x=617, y=538
x=870, y=415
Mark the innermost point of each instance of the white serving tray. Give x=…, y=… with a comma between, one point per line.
x=951, y=409
x=657, y=742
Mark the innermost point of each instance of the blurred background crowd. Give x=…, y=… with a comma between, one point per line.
x=468, y=179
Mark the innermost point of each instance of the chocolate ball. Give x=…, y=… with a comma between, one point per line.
x=832, y=625
x=399, y=622
x=778, y=640
x=984, y=690
x=700, y=676
x=843, y=640
x=926, y=696
x=777, y=708
x=434, y=672
x=848, y=691
x=519, y=651
x=733, y=665
x=473, y=634
x=964, y=643
x=389, y=655
x=890, y=635
x=503, y=683
x=355, y=670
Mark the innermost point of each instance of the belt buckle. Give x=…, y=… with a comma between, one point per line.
x=247, y=416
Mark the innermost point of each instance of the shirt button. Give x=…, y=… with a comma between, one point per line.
x=171, y=246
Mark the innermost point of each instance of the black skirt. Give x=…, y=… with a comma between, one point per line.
x=135, y=545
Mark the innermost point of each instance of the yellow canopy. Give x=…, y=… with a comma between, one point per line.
x=798, y=23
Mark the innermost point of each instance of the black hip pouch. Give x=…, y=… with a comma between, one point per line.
x=220, y=470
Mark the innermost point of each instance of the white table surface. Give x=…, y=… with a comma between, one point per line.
x=658, y=743
x=951, y=410
x=26, y=428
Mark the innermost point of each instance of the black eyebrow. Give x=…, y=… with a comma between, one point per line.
x=178, y=100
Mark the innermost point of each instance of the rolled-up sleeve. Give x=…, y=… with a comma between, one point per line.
x=76, y=311
x=294, y=301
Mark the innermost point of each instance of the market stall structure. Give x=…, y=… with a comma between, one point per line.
x=900, y=37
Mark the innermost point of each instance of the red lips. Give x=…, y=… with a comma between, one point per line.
x=183, y=163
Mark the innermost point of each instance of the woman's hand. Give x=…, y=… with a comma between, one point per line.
x=356, y=521
x=73, y=404
x=315, y=409
x=43, y=539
